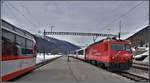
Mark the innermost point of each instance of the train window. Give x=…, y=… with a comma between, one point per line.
x=117, y=47
x=29, y=44
x=8, y=35
x=127, y=47
x=21, y=42
x=8, y=44
x=29, y=47
x=80, y=52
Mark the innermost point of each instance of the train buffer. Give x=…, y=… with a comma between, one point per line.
x=74, y=71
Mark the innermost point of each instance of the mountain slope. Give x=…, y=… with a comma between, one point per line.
x=52, y=45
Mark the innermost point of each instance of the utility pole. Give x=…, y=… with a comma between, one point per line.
x=119, y=34
x=108, y=32
x=94, y=38
x=52, y=28
x=44, y=45
x=2, y=1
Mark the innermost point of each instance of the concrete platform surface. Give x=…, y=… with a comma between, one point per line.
x=75, y=71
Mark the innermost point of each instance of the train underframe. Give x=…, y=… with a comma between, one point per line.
x=112, y=66
x=118, y=66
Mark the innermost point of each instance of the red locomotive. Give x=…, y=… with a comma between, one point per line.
x=111, y=53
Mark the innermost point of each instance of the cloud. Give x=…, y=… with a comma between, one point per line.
x=77, y=16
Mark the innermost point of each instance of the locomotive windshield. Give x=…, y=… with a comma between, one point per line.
x=119, y=47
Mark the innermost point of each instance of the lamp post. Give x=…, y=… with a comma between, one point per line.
x=108, y=32
x=119, y=34
x=44, y=45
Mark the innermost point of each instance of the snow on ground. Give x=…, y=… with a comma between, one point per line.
x=40, y=57
x=146, y=60
x=143, y=54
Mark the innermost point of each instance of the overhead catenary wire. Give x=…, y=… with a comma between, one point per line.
x=30, y=14
x=13, y=14
x=123, y=14
x=30, y=22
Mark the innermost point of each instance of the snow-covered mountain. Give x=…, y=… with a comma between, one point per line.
x=52, y=45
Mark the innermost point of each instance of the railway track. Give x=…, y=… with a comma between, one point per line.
x=141, y=66
x=129, y=75
x=144, y=64
x=134, y=77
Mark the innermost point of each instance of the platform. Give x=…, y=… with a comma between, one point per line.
x=74, y=71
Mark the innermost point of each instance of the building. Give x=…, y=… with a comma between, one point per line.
x=140, y=38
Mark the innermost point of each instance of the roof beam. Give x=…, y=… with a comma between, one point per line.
x=80, y=34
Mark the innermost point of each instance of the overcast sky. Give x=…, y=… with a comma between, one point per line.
x=78, y=16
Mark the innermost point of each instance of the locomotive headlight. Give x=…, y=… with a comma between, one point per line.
x=112, y=57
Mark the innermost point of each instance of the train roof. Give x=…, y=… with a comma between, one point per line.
x=8, y=26
x=81, y=49
x=108, y=39
x=14, y=27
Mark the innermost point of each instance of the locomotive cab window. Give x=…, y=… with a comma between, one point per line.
x=120, y=47
x=127, y=47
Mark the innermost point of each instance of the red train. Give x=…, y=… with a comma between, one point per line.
x=110, y=53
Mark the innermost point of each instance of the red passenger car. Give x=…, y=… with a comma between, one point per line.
x=112, y=53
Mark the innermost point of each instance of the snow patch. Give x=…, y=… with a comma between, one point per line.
x=40, y=57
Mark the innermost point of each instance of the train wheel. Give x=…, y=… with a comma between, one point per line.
x=91, y=61
x=95, y=63
x=98, y=63
x=88, y=61
x=102, y=65
x=108, y=68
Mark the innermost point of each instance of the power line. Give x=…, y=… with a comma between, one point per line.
x=29, y=13
x=10, y=10
x=124, y=14
x=13, y=14
x=22, y=15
